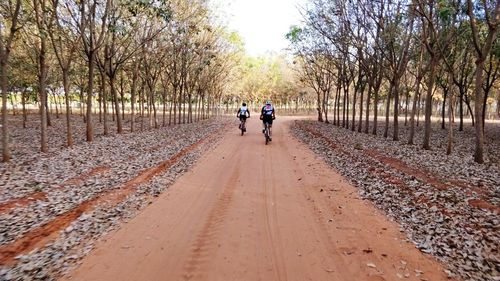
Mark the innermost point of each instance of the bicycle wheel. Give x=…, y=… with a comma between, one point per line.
x=266, y=134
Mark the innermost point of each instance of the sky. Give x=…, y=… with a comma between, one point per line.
x=262, y=24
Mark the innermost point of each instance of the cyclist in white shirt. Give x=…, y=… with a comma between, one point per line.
x=243, y=113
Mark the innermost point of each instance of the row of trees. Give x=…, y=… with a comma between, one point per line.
x=357, y=54
x=166, y=60
x=267, y=77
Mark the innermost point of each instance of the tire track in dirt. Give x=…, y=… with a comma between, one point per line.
x=326, y=237
x=220, y=222
x=205, y=240
x=40, y=236
x=272, y=229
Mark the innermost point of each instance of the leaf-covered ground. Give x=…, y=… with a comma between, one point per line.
x=447, y=205
x=55, y=206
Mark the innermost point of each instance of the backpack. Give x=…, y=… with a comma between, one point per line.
x=267, y=110
x=243, y=110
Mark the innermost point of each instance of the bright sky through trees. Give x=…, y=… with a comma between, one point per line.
x=262, y=24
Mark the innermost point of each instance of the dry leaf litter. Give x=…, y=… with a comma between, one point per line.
x=437, y=215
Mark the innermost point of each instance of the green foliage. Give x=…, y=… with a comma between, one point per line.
x=235, y=39
x=445, y=11
x=294, y=34
x=495, y=49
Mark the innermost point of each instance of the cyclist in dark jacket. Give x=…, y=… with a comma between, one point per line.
x=267, y=115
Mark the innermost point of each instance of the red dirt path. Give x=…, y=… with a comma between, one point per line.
x=250, y=211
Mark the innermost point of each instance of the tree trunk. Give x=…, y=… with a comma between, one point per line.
x=190, y=107
x=418, y=109
x=122, y=96
x=180, y=104
x=42, y=80
x=416, y=100
x=90, y=127
x=469, y=110
x=25, y=114
x=202, y=105
x=334, y=107
x=449, y=148
x=344, y=105
x=104, y=102
x=387, y=111
x=82, y=102
x=407, y=104
x=353, y=125
x=175, y=104
x=153, y=104
x=141, y=100
x=395, y=136
x=461, y=111
x=346, y=93
x=6, y=153
x=56, y=104
x=478, y=107
x=149, y=101
x=320, y=113
x=69, y=133
x=498, y=105
x=164, y=114
x=119, y=126
x=428, y=103
x=325, y=105
x=112, y=108
x=361, y=97
x=100, y=99
x=133, y=89
x=376, y=89
x=367, y=116
x=443, y=109
x=12, y=103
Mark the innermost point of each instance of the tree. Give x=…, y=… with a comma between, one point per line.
x=92, y=29
x=41, y=14
x=64, y=43
x=482, y=47
x=9, y=17
x=438, y=20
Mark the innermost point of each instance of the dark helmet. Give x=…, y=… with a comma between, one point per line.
x=244, y=104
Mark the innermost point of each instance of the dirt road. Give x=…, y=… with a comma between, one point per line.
x=248, y=211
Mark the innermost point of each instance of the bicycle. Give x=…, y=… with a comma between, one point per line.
x=267, y=133
x=242, y=126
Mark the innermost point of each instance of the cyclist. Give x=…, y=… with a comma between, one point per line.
x=242, y=113
x=267, y=116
